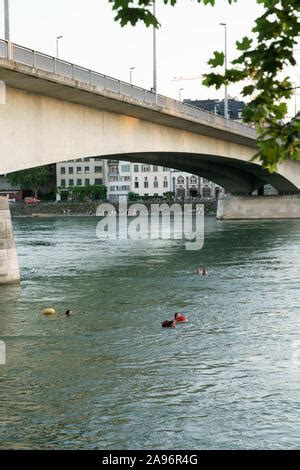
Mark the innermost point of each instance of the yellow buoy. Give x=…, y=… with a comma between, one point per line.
x=49, y=311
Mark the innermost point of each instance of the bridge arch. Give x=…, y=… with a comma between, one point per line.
x=236, y=176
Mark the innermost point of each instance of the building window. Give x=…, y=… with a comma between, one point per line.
x=86, y=169
x=79, y=169
x=86, y=159
x=165, y=169
x=155, y=184
x=98, y=169
x=79, y=182
x=98, y=181
x=125, y=168
x=165, y=184
x=146, y=184
x=145, y=168
x=98, y=159
x=125, y=188
x=136, y=184
x=71, y=170
x=113, y=169
x=62, y=170
x=193, y=180
x=126, y=178
x=180, y=180
x=135, y=168
x=63, y=183
x=87, y=182
x=155, y=168
x=206, y=192
x=113, y=178
x=71, y=182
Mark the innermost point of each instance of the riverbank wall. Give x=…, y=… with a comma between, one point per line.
x=86, y=208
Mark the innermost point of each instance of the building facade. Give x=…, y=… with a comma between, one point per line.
x=187, y=186
x=142, y=179
x=150, y=180
x=118, y=180
x=235, y=107
x=123, y=177
x=81, y=172
x=14, y=193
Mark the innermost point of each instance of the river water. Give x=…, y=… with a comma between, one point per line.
x=111, y=378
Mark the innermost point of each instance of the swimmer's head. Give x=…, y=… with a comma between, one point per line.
x=68, y=312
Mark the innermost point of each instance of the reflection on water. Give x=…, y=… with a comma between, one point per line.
x=110, y=377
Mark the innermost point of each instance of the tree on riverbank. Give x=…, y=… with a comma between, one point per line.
x=32, y=179
x=261, y=62
x=82, y=193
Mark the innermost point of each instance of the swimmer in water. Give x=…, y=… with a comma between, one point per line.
x=69, y=313
x=169, y=324
x=201, y=272
x=179, y=318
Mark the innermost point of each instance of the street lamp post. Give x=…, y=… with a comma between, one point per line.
x=226, y=90
x=179, y=93
x=295, y=97
x=57, y=51
x=154, y=87
x=6, y=21
x=130, y=74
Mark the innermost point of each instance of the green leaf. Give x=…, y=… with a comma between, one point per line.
x=245, y=44
x=248, y=90
x=217, y=60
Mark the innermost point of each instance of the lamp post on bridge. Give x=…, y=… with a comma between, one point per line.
x=6, y=21
x=179, y=93
x=57, y=46
x=295, y=98
x=226, y=89
x=7, y=28
x=130, y=74
x=154, y=87
x=154, y=53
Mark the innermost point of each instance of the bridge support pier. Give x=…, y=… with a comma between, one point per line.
x=259, y=207
x=9, y=266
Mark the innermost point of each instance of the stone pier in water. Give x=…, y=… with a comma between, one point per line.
x=259, y=207
x=9, y=265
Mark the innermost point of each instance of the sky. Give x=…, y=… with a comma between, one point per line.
x=188, y=35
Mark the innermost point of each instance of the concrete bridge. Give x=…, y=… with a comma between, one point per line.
x=52, y=111
x=55, y=111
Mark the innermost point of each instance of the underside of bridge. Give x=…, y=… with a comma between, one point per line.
x=236, y=176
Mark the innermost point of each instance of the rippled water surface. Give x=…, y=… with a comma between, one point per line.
x=111, y=378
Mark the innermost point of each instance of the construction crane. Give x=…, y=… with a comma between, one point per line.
x=179, y=79
x=176, y=79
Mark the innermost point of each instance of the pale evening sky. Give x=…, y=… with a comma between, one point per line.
x=186, y=40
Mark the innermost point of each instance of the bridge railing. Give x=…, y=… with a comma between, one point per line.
x=48, y=63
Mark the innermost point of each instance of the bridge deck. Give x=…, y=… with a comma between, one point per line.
x=36, y=72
